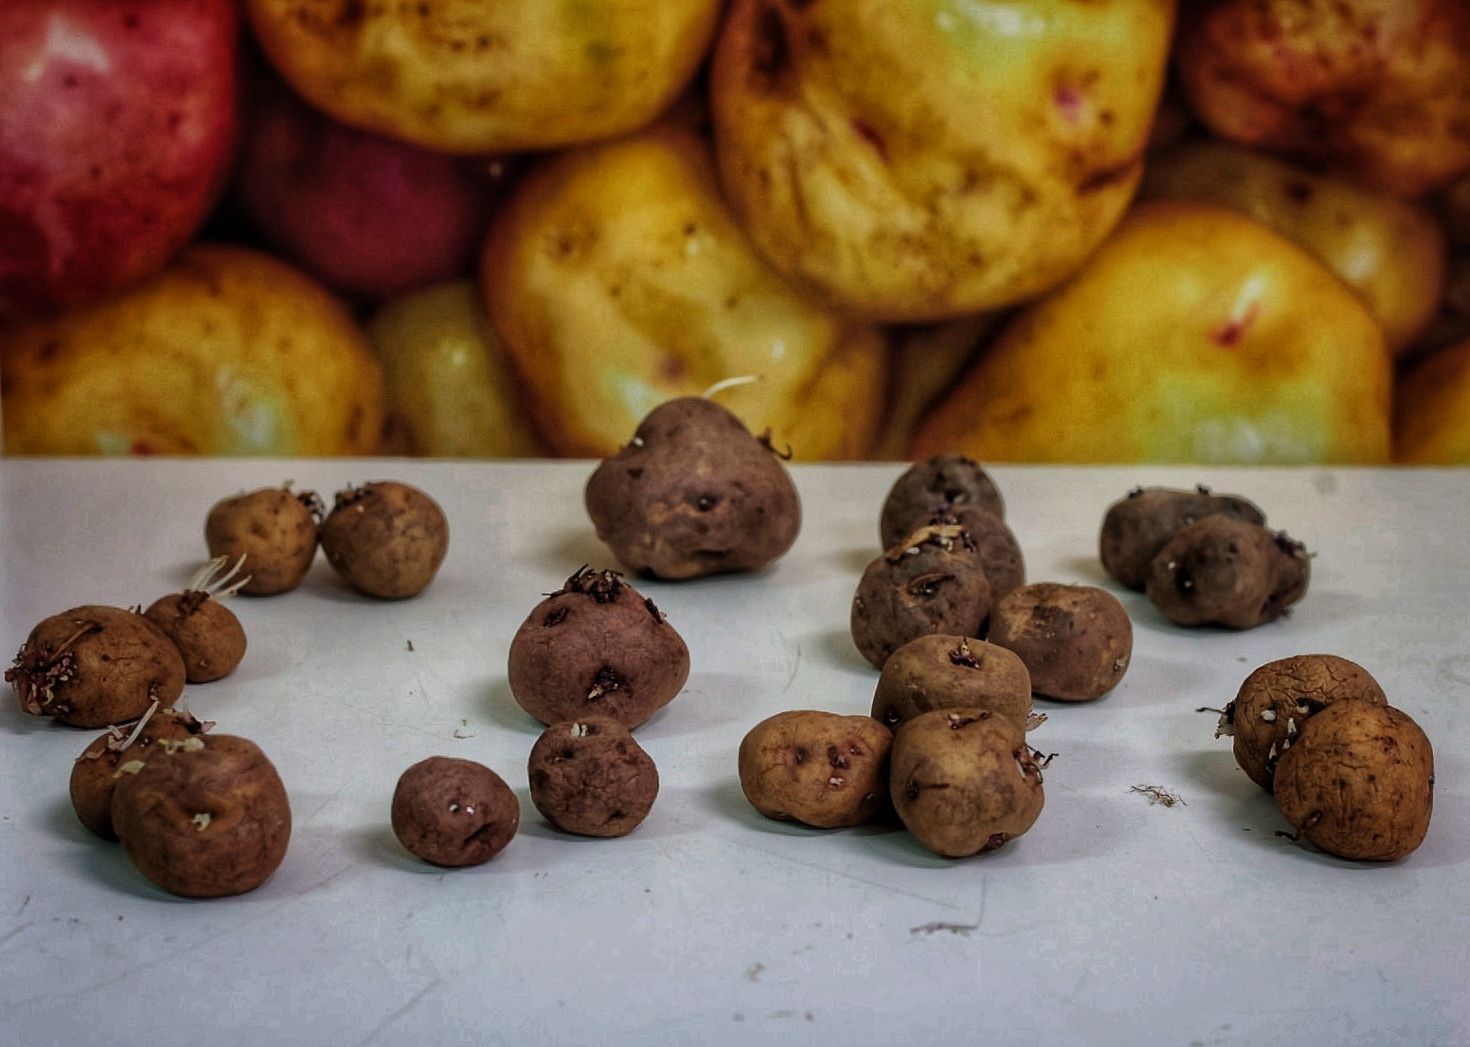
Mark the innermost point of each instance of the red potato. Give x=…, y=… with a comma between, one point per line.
x=118, y=125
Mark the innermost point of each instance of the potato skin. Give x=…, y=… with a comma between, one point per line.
x=943, y=482
x=94, y=775
x=1076, y=640
x=386, y=539
x=1224, y=571
x=996, y=549
x=115, y=666
x=590, y=777
x=1359, y=782
x=817, y=768
x=964, y=781
x=952, y=672
x=274, y=528
x=693, y=494
x=454, y=812
x=203, y=818
x=1136, y=527
x=208, y=635
x=929, y=583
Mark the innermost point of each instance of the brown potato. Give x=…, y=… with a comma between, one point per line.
x=274, y=529
x=386, y=539
x=1224, y=571
x=208, y=635
x=1358, y=782
x=1276, y=699
x=964, y=781
x=817, y=768
x=94, y=775
x=952, y=672
x=996, y=549
x=454, y=812
x=693, y=493
x=203, y=817
x=1135, y=528
x=1076, y=640
x=596, y=647
x=92, y=666
x=941, y=483
x=591, y=778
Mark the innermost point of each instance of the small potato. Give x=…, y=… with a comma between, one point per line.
x=1358, y=782
x=203, y=817
x=1135, y=528
x=817, y=768
x=951, y=672
x=964, y=781
x=1224, y=571
x=386, y=539
x=1076, y=640
x=454, y=812
x=929, y=583
x=274, y=529
x=942, y=483
x=1275, y=700
x=208, y=635
x=95, y=774
x=92, y=666
x=591, y=778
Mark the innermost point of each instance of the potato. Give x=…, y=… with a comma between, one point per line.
x=922, y=160
x=1224, y=571
x=1391, y=252
x=451, y=391
x=925, y=360
x=118, y=125
x=591, y=778
x=454, y=812
x=1432, y=410
x=95, y=774
x=204, y=817
x=952, y=672
x=1358, y=782
x=964, y=781
x=693, y=494
x=386, y=539
x=227, y=351
x=92, y=666
x=1076, y=640
x=273, y=529
x=1135, y=528
x=1374, y=88
x=1181, y=340
x=943, y=482
x=618, y=279
x=1276, y=699
x=209, y=637
x=996, y=548
x=817, y=768
x=467, y=77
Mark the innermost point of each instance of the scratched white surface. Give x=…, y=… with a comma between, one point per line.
x=1112, y=922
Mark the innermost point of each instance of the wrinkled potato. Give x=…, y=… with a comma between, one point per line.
x=1076, y=640
x=386, y=539
x=95, y=774
x=596, y=647
x=952, y=672
x=209, y=637
x=1224, y=571
x=466, y=77
x=1135, y=528
x=1391, y=252
x=943, y=482
x=922, y=160
x=225, y=352
x=1432, y=410
x=454, y=812
x=964, y=781
x=274, y=529
x=1358, y=782
x=1232, y=373
x=591, y=778
x=693, y=493
x=92, y=666
x=1275, y=700
x=203, y=817
x=451, y=391
x=817, y=768
x=618, y=279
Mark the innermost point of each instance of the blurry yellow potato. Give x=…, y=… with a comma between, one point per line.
x=227, y=351
x=1192, y=335
x=474, y=76
x=925, y=362
x=1432, y=410
x=617, y=278
x=1389, y=251
x=451, y=391
x=926, y=159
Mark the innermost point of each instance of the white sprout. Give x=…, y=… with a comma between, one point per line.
x=208, y=578
x=1269, y=715
x=729, y=383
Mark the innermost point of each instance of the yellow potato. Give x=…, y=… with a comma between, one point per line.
x=1432, y=410
x=1389, y=251
x=227, y=351
x=451, y=391
x=618, y=279
x=1193, y=335
x=926, y=159
x=470, y=76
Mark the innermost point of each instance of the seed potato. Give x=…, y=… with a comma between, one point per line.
x=94, y=775
x=941, y=483
x=1136, y=527
x=1076, y=640
x=817, y=768
x=1224, y=571
x=454, y=812
x=952, y=672
x=386, y=539
x=591, y=778
x=274, y=529
x=209, y=637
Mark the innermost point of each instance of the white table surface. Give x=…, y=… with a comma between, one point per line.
x=1113, y=921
